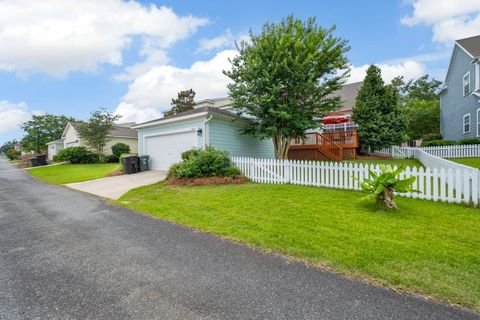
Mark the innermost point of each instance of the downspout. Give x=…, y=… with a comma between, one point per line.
x=205, y=130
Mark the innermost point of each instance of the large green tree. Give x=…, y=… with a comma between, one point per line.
x=41, y=129
x=184, y=101
x=96, y=129
x=8, y=145
x=421, y=103
x=381, y=122
x=283, y=79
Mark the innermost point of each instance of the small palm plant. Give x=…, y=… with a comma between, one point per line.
x=383, y=185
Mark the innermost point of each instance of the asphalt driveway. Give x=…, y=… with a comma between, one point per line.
x=69, y=255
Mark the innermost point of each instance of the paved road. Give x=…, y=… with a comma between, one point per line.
x=69, y=255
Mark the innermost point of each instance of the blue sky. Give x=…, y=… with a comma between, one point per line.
x=70, y=57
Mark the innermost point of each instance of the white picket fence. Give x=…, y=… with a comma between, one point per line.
x=432, y=161
x=460, y=186
x=455, y=151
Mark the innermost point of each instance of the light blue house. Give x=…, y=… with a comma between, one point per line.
x=460, y=93
x=210, y=123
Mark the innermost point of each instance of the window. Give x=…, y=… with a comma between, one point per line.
x=478, y=122
x=466, y=83
x=466, y=123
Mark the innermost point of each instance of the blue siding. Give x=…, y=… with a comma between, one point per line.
x=225, y=135
x=192, y=123
x=453, y=105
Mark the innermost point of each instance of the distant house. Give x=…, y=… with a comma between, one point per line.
x=123, y=133
x=460, y=93
x=53, y=147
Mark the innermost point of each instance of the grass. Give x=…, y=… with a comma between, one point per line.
x=393, y=162
x=472, y=162
x=427, y=247
x=68, y=173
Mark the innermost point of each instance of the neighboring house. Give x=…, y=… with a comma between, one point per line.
x=53, y=147
x=460, y=93
x=123, y=133
x=212, y=123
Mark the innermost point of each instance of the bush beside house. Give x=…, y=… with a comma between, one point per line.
x=209, y=166
x=76, y=155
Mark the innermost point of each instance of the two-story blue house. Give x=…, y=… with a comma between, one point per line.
x=460, y=93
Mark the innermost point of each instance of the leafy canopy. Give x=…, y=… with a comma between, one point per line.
x=422, y=105
x=283, y=79
x=41, y=129
x=185, y=101
x=96, y=130
x=8, y=145
x=381, y=122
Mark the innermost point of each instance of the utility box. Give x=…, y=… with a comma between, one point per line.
x=144, y=163
x=131, y=164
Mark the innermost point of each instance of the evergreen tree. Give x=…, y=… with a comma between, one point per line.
x=185, y=101
x=381, y=122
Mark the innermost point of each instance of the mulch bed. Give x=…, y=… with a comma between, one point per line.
x=114, y=173
x=205, y=181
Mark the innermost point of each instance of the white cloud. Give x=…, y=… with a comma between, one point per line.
x=61, y=36
x=450, y=19
x=409, y=69
x=222, y=41
x=152, y=91
x=13, y=114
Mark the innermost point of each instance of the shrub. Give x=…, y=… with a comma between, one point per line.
x=383, y=185
x=111, y=158
x=77, y=155
x=12, y=154
x=120, y=148
x=198, y=163
x=438, y=143
x=470, y=141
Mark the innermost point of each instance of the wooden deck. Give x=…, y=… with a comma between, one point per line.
x=337, y=146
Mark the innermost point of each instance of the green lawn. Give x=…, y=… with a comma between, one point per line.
x=393, y=162
x=68, y=173
x=427, y=247
x=472, y=162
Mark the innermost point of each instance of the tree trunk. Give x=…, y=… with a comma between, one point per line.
x=281, y=145
x=386, y=198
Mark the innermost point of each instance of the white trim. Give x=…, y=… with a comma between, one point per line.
x=478, y=123
x=469, y=123
x=162, y=120
x=469, y=54
x=477, y=76
x=164, y=133
x=469, y=84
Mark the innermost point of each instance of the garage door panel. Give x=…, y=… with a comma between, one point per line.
x=164, y=150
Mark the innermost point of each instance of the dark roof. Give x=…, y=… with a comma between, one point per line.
x=118, y=132
x=348, y=95
x=211, y=110
x=472, y=45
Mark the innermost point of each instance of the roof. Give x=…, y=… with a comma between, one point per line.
x=471, y=45
x=348, y=95
x=55, y=141
x=120, y=131
x=208, y=110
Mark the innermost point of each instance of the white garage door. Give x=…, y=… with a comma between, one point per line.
x=166, y=149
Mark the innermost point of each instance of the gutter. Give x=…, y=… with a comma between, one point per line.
x=205, y=130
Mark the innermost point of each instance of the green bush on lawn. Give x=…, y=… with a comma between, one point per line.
x=117, y=150
x=76, y=155
x=440, y=143
x=198, y=163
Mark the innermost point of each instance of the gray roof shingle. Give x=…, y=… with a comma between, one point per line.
x=348, y=95
x=472, y=45
x=120, y=131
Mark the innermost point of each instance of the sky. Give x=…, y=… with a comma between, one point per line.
x=132, y=57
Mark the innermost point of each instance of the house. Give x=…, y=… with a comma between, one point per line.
x=211, y=122
x=123, y=133
x=53, y=147
x=460, y=92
